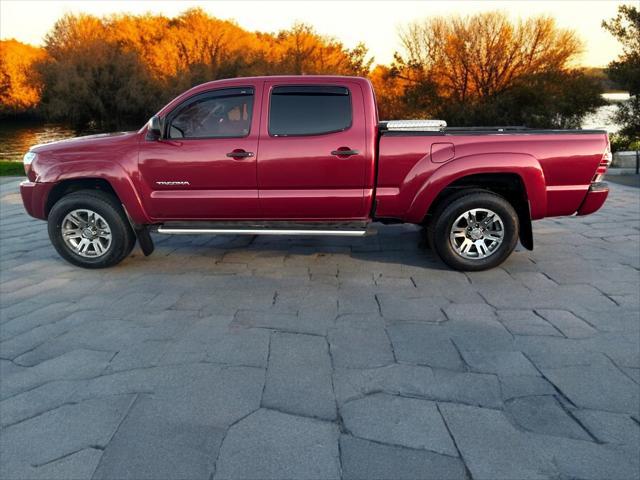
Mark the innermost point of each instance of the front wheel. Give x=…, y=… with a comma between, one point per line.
x=89, y=229
x=475, y=232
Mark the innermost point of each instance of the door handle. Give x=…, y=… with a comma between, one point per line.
x=240, y=154
x=344, y=152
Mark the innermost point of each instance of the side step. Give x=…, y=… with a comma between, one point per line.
x=346, y=229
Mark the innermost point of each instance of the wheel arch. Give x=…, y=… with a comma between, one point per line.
x=71, y=185
x=110, y=177
x=510, y=186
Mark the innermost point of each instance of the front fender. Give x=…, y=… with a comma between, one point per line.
x=525, y=166
x=111, y=172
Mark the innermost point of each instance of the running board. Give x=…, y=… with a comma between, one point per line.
x=344, y=229
x=259, y=231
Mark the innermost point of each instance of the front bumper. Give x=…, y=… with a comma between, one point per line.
x=596, y=196
x=34, y=197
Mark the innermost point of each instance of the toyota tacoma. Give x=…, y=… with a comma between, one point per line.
x=307, y=155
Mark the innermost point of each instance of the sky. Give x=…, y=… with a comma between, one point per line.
x=375, y=23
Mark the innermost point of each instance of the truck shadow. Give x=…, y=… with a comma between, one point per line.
x=393, y=244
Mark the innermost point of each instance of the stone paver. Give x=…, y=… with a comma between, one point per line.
x=599, y=385
x=360, y=346
x=364, y=460
x=463, y=387
x=408, y=422
x=274, y=445
x=295, y=357
x=299, y=376
x=500, y=363
x=74, y=427
x=154, y=442
x=568, y=323
x=493, y=448
x=527, y=322
x=425, y=345
x=611, y=427
x=544, y=414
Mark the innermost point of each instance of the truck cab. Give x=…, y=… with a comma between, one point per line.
x=281, y=148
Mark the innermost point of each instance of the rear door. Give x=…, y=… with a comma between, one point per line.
x=205, y=168
x=313, y=152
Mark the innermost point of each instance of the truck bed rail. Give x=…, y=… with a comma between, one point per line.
x=404, y=128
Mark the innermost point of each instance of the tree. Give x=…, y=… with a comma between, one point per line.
x=20, y=86
x=626, y=69
x=389, y=93
x=484, y=69
x=116, y=71
x=91, y=79
x=300, y=50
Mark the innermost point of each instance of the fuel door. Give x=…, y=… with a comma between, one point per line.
x=442, y=152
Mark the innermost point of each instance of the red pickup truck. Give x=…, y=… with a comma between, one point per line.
x=307, y=155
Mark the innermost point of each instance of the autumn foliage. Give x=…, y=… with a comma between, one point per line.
x=18, y=91
x=485, y=69
x=115, y=71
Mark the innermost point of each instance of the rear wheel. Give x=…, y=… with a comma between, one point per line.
x=474, y=232
x=89, y=229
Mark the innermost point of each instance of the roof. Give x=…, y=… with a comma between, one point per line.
x=281, y=78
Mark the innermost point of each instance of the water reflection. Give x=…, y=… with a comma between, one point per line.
x=602, y=118
x=16, y=138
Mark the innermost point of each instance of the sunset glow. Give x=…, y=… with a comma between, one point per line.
x=375, y=23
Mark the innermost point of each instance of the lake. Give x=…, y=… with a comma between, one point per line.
x=16, y=138
x=602, y=118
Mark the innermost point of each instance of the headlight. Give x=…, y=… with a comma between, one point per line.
x=29, y=157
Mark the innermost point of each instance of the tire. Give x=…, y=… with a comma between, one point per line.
x=478, y=218
x=97, y=233
x=429, y=224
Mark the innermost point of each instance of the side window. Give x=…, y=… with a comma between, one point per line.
x=224, y=113
x=309, y=110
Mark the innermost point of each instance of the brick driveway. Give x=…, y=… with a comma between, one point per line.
x=234, y=357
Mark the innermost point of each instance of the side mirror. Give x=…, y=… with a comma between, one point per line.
x=154, y=130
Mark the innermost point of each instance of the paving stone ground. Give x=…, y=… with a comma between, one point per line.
x=322, y=358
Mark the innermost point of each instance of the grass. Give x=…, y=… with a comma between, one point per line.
x=8, y=169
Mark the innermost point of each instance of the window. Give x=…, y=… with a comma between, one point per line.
x=223, y=113
x=309, y=110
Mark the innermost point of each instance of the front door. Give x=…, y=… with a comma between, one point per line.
x=313, y=152
x=204, y=167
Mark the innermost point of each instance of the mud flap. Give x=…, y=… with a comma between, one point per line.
x=526, y=229
x=142, y=234
x=144, y=240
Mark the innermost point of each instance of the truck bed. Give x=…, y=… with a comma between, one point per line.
x=413, y=162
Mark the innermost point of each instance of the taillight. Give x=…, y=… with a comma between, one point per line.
x=605, y=161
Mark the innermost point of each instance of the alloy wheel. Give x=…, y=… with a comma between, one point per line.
x=86, y=233
x=477, y=233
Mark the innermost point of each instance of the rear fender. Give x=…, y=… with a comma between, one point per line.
x=525, y=166
x=111, y=172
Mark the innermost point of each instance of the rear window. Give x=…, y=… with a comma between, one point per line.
x=309, y=110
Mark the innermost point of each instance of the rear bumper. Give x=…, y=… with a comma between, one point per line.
x=34, y=197
x=595, y=198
